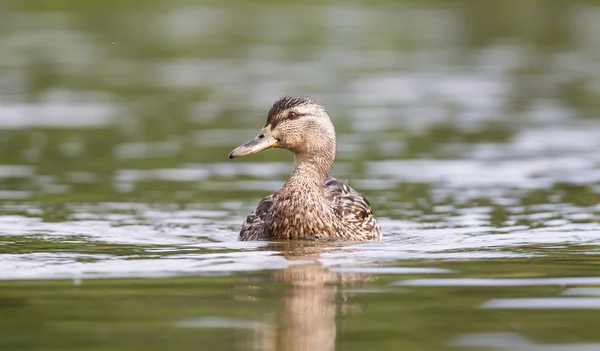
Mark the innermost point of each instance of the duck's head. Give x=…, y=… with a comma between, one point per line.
x=299, y=124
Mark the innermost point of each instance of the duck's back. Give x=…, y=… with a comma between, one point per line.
x=354, y=218
x=353, y=210
x=253, y=227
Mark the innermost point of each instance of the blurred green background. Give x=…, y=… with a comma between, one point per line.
x=96, y=93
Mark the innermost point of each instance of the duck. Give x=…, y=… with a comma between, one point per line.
x=311, y=205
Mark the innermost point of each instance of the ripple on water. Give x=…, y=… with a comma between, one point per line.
x=165, y=237
x=390, y=270
x=531, y=173
x=221, y=323
x=514, y=342
x=582, y=292
x=495, y=282
x=140, y=265
x=545, y=303
x=57, y=115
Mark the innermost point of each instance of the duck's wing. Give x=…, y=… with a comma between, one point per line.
x=352, y=208
x=252, y=229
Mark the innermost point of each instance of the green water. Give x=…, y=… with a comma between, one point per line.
x=302, y=307
x=472, y=127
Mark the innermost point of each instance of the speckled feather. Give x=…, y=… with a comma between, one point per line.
x=352, y=216
x=311, y=205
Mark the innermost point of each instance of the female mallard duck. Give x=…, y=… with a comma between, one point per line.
x=310, y=205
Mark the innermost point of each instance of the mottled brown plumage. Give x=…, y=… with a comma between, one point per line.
x=311, y=205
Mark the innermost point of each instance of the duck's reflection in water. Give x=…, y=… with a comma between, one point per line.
x=307, y=321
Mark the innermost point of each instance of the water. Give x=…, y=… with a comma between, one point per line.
x=472, y=128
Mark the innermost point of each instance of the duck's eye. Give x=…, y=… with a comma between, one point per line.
x=292, y=115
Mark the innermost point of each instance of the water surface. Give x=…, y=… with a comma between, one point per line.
x=472, y=128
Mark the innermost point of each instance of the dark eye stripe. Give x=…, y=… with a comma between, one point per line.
x=274, y=122
x=288, y=103
x=296, y=115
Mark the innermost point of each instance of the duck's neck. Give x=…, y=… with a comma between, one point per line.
x=310, y=171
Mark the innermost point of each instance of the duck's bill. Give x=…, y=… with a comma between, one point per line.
x=264, y=140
